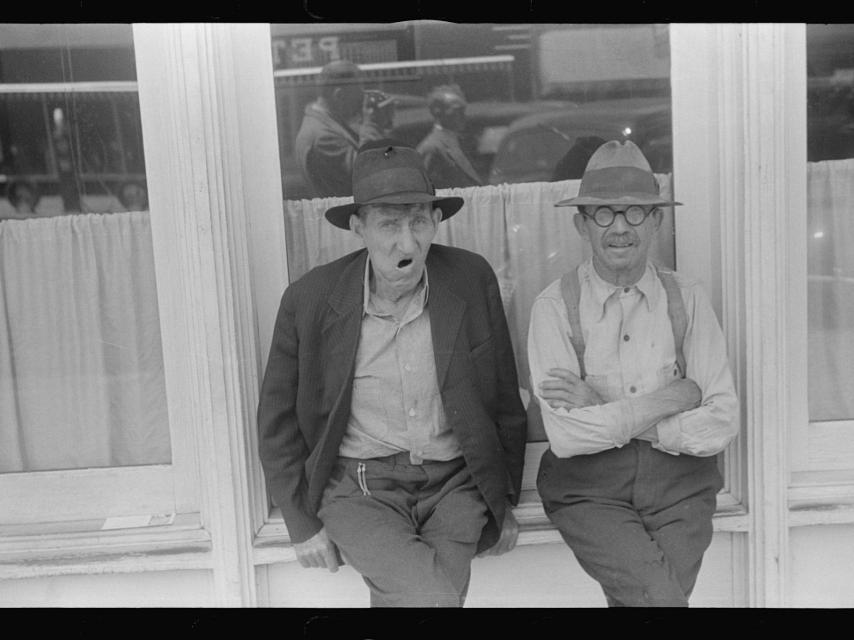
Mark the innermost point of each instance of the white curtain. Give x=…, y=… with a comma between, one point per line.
x=516, y=227
x=81, y=364
x=830, y=289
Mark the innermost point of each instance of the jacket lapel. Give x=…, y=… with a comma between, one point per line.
x=446, y=315
x=341, y=331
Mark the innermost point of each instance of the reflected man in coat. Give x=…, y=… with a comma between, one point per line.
x=447, y=164
x=391, y=428
x=326, y=142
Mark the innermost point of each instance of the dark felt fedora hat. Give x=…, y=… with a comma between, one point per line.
x=390, y=172
x=617, y=173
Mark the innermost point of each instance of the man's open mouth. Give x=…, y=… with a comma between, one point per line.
x=404, y=263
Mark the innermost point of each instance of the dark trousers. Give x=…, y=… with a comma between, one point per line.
x=410, y=530
x=638, y=520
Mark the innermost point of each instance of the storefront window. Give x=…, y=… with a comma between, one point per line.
x=830, y=192
x=81, y=365
x=505, y=115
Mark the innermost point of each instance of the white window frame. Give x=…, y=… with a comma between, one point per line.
x=205, y=119
x=84, y=498
x=822, y=452
x=699, y=251
x=740, y=148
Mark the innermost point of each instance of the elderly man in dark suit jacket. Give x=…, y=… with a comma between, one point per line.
x=391, y=427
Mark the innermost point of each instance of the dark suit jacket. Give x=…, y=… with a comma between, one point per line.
x=447, y=164
x=306, y=392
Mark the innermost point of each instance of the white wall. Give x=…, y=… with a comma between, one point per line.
x=821, y=570
x=147, y=589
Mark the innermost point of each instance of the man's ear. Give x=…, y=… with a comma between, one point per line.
x=436, y=214
x=657, y=216
x=356, y=224
x=580, y=224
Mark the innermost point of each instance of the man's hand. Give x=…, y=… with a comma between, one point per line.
x=317, y=551
x=377, y=107
x=507, y=539
x=566, y=390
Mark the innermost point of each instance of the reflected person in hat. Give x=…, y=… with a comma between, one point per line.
x=392, y=434
x=342, y=118
x=634, y=391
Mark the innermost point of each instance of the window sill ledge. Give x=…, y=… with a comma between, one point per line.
x=272, y=544
x=26, y=553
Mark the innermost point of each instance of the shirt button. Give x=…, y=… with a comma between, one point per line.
x=632, y=389
x=406, y=367
x=411, y=413
x=626, y=337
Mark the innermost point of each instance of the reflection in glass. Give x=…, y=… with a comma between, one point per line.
x=830, y=261
x=69, y=116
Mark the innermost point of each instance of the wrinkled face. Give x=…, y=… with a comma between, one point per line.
x=619, y=251
x=397, y=238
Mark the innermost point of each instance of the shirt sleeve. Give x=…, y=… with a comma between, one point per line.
x=708, y=429
x=588, y=429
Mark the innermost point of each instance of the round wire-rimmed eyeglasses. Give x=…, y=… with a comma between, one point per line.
x=604, y=216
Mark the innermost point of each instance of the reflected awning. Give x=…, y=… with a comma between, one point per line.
x=406, y=70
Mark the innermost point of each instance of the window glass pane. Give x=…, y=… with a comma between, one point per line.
x=506, y=114
x=81, y=367
x=830, y=262
x=69, y=120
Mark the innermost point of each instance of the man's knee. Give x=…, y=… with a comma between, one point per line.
x=407, y=571
x=627, y=563
x=427, y=590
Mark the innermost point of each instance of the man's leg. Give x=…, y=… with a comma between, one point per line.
x=613, y=547
x=378, y=534
x=453, y=514
x=680, y=517
x=590, y=501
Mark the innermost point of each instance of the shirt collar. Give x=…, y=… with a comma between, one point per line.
x=602, y=289
x=421, y=295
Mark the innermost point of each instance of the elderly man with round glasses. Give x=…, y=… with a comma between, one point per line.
x=633, y=389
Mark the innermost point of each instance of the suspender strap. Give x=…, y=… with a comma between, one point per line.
x=571, y=292
x=676, y=311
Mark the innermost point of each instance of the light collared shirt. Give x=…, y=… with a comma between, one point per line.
x=629, y=352
x=396, y=405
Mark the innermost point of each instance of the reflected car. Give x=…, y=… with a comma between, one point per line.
x=534, y=145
